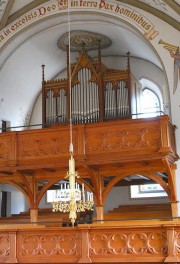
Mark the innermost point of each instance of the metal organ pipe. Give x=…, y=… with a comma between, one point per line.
x=56, y=107
x=62, y=106
x=50, y=107
x=85, y=100
x=116, y=100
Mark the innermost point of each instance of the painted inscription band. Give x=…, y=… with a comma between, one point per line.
x=53, y=7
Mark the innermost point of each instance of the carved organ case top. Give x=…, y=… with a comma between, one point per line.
x=97, y=93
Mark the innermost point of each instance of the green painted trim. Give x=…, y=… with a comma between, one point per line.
x=171, y=21
x=6, y=14
x=25, y=9
x=173, y=5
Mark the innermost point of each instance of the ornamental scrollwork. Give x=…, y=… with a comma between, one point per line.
x=120, y=139
x=44, y=147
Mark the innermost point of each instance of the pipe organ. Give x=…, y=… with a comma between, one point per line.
x=97, y=93
x=85, y=98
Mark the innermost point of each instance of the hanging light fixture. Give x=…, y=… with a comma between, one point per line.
x=72, y=199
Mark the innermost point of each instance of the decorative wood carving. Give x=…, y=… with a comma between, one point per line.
x=48, y=144
x=128, y=243
x=5, y=244
x=177, y=242
x=49, y=245
x=104, y=139
x=127, y=136
x=135, y=242
x=5, y=147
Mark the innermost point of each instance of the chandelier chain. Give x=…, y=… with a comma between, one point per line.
x=70, y=86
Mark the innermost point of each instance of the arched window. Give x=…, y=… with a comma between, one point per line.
x=150, y=103
x=151, y=99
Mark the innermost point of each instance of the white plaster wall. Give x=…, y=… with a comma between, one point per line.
x=43, y=203
x=16, y=200
x=121, y=196
x=36, y=117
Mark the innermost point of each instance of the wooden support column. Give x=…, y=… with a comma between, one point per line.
x=12, y=257
x=98, y=185
x=85, y=247
x=100, y=212
x=174, y=208
x=171, y=246
x=34, y=215
x=174, y=203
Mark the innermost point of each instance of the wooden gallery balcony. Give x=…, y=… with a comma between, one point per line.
x=105, y=154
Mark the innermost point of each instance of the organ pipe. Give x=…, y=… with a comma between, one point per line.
x=96, y=93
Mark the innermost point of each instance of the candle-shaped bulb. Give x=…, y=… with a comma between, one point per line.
x=71, y=165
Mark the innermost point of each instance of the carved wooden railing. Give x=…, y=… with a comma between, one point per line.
x=133, y=241
x=122, y=141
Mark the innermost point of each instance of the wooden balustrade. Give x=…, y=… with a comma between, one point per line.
x=135, y=242
x=123, y=140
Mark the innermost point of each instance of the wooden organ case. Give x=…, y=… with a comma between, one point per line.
x=97, y=93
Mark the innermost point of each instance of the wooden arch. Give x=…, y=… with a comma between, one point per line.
x=124, y=175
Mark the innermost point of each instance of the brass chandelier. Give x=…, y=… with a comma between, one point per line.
x=76, y=199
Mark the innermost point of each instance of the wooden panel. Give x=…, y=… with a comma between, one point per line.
x=46, y=145
x=129, y=137
x=123, y=140
x=177, y=243
x=126, y=245
x=8, y=246
x=130, y=241
x=8, y=148
x=52, y=246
